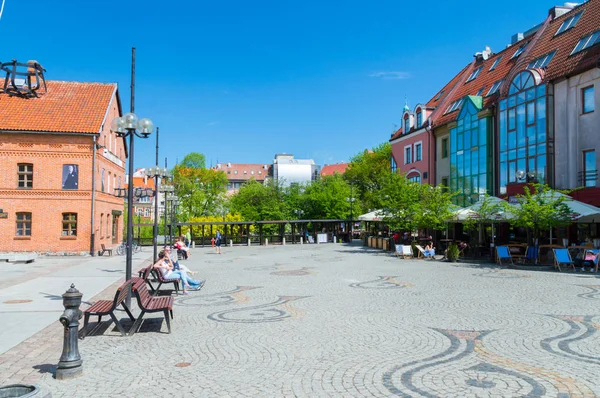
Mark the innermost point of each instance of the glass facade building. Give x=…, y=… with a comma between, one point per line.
x=522, y=132
x=470, y=153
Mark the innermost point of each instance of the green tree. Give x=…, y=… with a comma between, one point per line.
x=539, y=209
x=367, y=172
x=194, y=160
x=201, y=191
x=398, y=199
x=327, y=199
x=486, y=211
x=259, y=202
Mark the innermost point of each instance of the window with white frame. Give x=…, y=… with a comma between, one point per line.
x=519, y=50
x=25, y=175
x=474, y=74
x=393, y=164
x=406, y=124
x=455, y=105
x=408, y=154
x=496, y=62
x=419, y=118
x=494, y=88
x=568, y=23
x=542, y=61
x=418, y=151
x=587, y=42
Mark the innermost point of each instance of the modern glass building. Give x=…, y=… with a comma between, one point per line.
x=471, y=152
x=523, y=132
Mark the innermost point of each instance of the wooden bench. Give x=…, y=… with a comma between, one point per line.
x=148, y=303
x=161, y=279
x=108, y=307
x=104, y=250
x=145, y=274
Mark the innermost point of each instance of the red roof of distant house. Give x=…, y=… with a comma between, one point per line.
x=142, y=182
x=331, y=169
x=241, y=171
x=69, y=107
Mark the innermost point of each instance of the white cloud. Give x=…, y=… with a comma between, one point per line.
x=391, y=75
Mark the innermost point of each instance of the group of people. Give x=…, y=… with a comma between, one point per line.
x=170, y=268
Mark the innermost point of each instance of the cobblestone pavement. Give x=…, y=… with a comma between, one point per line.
x=345, y=321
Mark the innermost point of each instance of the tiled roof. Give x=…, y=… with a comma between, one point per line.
x=70, y=107
x=138, y=182
x=244, y=171
x=485, y=80
x=331, y=169
x=438, y=100
x=563, y=63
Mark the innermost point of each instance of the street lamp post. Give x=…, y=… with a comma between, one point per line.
x=351, y=200
x=130, y=126
x=156, y=172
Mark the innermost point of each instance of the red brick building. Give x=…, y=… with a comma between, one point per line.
x=59, y=166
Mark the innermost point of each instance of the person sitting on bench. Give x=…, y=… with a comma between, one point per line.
x=165, y=266
x=182, y=248
x=429, y=250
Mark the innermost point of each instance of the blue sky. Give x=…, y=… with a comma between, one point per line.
x=241, y=81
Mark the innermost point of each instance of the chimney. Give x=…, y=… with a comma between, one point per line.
x=557, y=11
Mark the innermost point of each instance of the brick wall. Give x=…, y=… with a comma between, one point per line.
x=47, y=201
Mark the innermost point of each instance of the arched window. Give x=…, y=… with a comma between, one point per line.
x=406, y=123
x=522, y=131
x=419, y=117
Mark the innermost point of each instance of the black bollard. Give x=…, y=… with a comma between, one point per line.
x=70, y=364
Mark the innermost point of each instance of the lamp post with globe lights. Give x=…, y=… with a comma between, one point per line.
x=156, y=172
x=130, y=126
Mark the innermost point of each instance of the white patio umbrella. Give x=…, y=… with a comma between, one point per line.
x=580, y=212
x=375, y=215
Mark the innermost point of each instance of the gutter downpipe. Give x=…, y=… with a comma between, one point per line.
x=93, y=232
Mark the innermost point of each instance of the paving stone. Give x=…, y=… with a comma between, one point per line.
x=337, y=320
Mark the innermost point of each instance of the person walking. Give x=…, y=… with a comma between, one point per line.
x=218, y=242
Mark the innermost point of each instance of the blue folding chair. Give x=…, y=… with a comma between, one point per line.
x=562, y=256
x=502, y=253
x=531, y=255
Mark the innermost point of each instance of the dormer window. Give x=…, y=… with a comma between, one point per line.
x=519, y=50
x=474, y=74
x=439, y=95
x=494, y=88
x=568, y=23
x=542, y=61
x=454, y=106
x=419, y=118
x=587, y=41
x=406, y=124
x=496, y=62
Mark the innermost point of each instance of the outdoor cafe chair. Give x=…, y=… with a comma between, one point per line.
x=502, y=253
x=531, y=255
x=562, y=256
x=407, y=251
